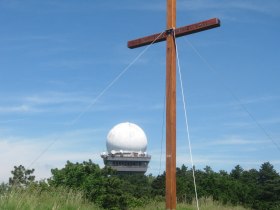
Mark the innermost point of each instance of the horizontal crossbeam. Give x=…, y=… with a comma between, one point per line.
x=182, y=31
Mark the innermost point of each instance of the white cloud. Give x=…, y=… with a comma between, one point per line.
x=75, y=146
x=56, y=98
x=236, y=141
x=47, y=102
x=17, y=109
x=70, y=102
x=14, y=153
x=221, y=154
x=44, y=153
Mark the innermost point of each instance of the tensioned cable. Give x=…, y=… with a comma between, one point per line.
x=235, y=97
x=98, y=97
x=186, y=121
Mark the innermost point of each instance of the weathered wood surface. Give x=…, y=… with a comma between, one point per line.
x=181, y=31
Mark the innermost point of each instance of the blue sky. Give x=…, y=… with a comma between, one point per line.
x=61, y=94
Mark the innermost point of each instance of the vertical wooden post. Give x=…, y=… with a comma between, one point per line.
x=169, y=36
x=171, y=108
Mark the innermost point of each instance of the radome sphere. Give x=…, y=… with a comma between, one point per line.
x=126, y=137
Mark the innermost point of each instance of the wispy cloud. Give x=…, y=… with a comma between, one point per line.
x=47, y=102
x=251, y=124
x=11, y=120
x=18, y=109
x=236, y=141
x=228, y=141
x=73, y=145
x=71, y=102
x=56, y=98
x=260, y=99
x=257, y=100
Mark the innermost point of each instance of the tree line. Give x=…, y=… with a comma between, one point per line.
x=255, y=189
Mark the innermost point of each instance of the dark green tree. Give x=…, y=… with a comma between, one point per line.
x=85, y=176
x=101, y=186
x=114, y=197
x=21, y=177
x=209, y=183
x=158, y=185
x=236, y=173
x=137, y=185
x=268, y=197
x=249, y=180
x=185, y=185
x=4, y=187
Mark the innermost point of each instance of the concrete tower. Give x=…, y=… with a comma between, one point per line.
x=126, y=149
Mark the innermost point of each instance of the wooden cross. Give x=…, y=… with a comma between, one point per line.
x=169, y=36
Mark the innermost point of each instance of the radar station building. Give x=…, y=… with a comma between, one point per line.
x=126, y=149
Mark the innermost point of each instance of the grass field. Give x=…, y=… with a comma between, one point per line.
x=61, y=199
x=206, y=205
x=54, y=199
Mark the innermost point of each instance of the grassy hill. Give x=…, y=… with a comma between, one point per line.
x=62, y=199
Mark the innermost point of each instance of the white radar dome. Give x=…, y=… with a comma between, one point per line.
x=126, y=137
